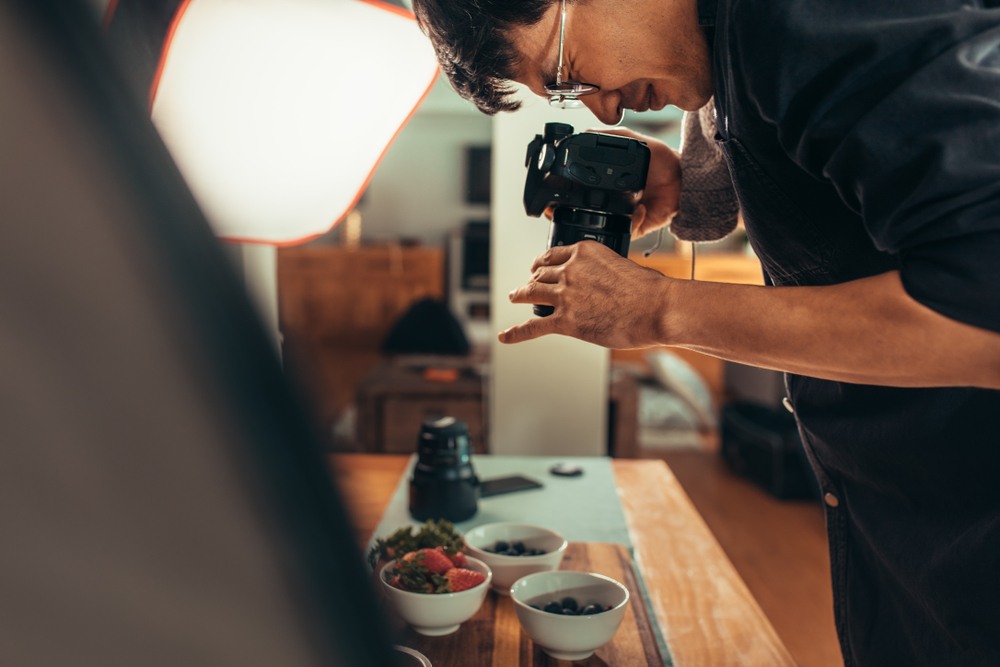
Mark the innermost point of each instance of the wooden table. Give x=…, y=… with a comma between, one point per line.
x=706, y=613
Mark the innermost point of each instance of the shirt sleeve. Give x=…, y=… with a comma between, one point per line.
x=901, y=113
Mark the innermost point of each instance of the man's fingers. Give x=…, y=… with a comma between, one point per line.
x=534, y=293
x=528, y=330
x=546, y=274
x=553, y=256
x=639, y=221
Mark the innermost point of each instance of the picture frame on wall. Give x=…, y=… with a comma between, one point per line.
x=477, y=174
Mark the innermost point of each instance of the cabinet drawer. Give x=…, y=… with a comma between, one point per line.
x=402, y=416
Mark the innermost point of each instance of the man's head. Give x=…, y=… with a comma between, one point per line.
x=641, y=54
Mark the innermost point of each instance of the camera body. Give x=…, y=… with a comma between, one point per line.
x=591, y=180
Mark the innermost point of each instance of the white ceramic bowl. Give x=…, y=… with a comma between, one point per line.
x=569, y=637
x=436, y=614
x=508, y=569
x=409, y=657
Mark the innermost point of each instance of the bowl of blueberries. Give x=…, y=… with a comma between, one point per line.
x=513, y=550
x=569, y=615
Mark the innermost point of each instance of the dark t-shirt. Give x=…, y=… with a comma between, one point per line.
x=864, y=137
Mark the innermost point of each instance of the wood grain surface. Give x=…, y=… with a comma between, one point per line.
x=708, y=615
x=493, y=637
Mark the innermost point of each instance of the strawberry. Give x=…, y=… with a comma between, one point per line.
x=458, y=559
x=461, y=579
x=435, y=560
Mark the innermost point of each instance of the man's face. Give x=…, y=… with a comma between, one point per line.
x=643, y=54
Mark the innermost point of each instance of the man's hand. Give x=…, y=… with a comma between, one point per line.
x=599, y=297
x=659, y=200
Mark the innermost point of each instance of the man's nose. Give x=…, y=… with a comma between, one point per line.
x=607, y=108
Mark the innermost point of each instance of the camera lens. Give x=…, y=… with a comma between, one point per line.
x=444, y=446
x=444, y=484
x=591, y=181
x=572, y=225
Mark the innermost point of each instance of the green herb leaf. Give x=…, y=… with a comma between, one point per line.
x=434, y=533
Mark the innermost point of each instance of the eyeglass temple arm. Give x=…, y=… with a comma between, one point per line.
x=562, y=38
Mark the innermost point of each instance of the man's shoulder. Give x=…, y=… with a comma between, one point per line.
x=790, y=53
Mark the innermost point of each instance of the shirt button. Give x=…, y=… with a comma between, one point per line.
x=831, y=500
x=788, y=405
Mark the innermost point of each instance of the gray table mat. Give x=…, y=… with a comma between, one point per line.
x=582, y=509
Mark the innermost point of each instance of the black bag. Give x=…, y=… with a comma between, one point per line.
x=427, y=327
x=763, y=444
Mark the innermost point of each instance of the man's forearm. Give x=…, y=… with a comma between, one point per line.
x=867, y=331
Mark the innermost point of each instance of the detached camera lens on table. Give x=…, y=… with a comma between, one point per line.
x=444, y=484
x=592, y=181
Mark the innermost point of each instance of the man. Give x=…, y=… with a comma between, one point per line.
x=863, y=142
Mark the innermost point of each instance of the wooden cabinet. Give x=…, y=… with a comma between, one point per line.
x=397, y=396
x=395, y=399
x=336, y=305
x=353, y=295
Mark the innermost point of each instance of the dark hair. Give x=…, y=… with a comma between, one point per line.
x=470, y=39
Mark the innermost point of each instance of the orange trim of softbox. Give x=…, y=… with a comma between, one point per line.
x=389, y=7
x=167, y=43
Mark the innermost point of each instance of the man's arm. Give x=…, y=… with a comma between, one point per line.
x=867, y=331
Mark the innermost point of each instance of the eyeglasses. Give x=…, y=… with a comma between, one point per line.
x=566, y=94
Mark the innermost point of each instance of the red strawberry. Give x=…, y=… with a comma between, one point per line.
x=458, y=559
x=460, y=579
x=434, y=560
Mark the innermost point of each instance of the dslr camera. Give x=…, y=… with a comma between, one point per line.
x=592, y=182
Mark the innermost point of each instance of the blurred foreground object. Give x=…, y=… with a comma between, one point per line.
x=163, y=496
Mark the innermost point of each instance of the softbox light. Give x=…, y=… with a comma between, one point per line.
x=278, y=111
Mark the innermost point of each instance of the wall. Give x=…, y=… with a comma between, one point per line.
x=418, y=190
x=547, y=396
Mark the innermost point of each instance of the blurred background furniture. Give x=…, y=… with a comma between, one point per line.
x=337, y=304
x=397, y=396
x=711, y=267
x=400, y=393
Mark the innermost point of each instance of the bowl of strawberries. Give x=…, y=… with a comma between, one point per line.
x=435, y=591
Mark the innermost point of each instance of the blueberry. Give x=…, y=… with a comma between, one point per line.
x=518, y=547
x=501, y=547
x=566, y=611
x=591, y=609
x=553, y=608
x=510, y=552
x=570, y=603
